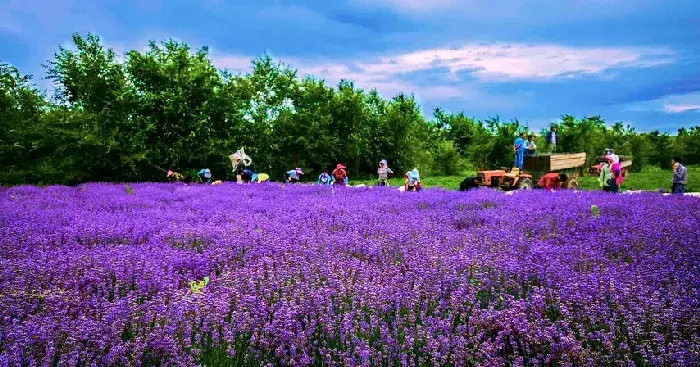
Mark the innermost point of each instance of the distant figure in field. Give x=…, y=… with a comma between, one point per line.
x=340, y=175
x=551, y=140
x=412, y=180
x=680, y=176
x=325, y=179
x=383, y=173
x=204, y=174
x=519, y=150
x=604, y=177
x=246, y=176
x=616, y=178
x=174, y=176
x=530, y=147
x=260, y=177
x=294, y=175
x=610, y=152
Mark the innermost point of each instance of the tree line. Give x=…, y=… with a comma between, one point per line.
x=132, y=118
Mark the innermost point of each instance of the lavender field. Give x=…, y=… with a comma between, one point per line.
x=248, y=275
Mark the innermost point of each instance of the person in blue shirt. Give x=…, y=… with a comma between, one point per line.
x=325, y=178
x=294, y=175
x=519, y=150
x=247, y=175
x=203, y=174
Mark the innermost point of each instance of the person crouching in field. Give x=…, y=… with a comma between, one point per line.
x=246, y=176
x=340, y=175
x=261, y=177
x=174, y=176
x=294, y=175
x=680, y=176
x=204, y=174
x=412, y=180
x=383, y=172
x=325, y=179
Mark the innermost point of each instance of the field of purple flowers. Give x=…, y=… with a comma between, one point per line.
x=227, y=275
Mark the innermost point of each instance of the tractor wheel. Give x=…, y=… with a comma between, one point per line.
x=524, y=184
x=571, y=184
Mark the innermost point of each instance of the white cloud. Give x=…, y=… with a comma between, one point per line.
x=410, y=5
x=391, y=74
x=680, y=108
x=673, y=104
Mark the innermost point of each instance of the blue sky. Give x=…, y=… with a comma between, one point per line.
x=631, y=61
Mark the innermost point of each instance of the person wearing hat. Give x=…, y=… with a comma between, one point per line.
x=616, y=178
x=239, y=160
x=261, y=177
x=294, y=175
x=325, y=179
x=412, y=180
x=383, y=172
x=340, y=176
x=204, y=174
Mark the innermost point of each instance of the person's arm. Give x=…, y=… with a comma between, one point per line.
x=680, y=175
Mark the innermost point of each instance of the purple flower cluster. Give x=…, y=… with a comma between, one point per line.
x=111, y=275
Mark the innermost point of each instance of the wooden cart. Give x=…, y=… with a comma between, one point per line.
x=568, y=165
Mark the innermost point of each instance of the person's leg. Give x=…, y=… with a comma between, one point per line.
x=520, y=166
x=519, y=160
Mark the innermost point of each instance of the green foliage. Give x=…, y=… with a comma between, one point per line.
x=197, y=286
x=168, y=107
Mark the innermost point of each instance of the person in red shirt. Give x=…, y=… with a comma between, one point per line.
x=340, y=176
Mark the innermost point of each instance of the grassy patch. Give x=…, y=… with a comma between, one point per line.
x=648, y=180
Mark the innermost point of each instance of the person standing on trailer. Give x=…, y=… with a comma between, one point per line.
x=530, y=146
x=519, y=150
x=551, y=139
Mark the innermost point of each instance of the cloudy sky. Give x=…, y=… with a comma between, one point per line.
x=631, y=61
